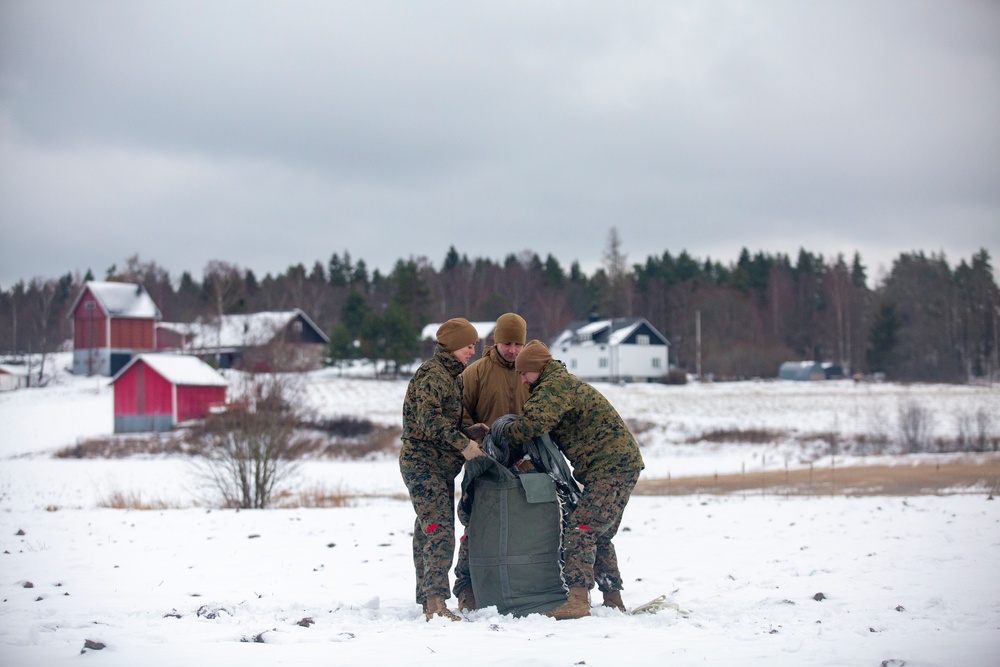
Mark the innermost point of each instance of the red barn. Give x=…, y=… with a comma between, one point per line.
x=111, y=322
x=154, y=392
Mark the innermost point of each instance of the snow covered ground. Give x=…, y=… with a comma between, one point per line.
x=761, y=580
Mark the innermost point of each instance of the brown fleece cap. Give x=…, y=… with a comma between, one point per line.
x=532, y=358
x=456, y=333
x=511, y=328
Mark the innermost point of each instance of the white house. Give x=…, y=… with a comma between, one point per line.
x=627, y=349
x=13, y=377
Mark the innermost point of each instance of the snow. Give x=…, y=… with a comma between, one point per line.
x=123, y=299
x=909, y=580
x=179, y=369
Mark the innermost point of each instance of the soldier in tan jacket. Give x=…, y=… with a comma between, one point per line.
x=492, y=388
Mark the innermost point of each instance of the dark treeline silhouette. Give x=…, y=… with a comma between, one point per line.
x=925, y=321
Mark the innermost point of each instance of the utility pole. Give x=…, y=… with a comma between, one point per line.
x=697, y=343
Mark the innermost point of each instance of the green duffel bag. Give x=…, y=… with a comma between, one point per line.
x=514, y=537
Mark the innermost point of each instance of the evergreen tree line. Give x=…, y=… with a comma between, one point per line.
x=925, y=321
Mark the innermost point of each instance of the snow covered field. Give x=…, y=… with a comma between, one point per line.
x=763, y=580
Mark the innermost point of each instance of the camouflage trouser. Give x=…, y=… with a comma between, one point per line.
x=432, y=494
x=589, y=555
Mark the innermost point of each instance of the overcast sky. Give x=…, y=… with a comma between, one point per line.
x=268, y=134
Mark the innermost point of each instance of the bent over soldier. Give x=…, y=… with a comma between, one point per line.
x=605, y=459
x=434, y=449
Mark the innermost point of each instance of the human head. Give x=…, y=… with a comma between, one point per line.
x=509, y=335
x=459, y=337
x=531, y=361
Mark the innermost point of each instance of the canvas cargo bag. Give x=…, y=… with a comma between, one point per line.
x=514, y=534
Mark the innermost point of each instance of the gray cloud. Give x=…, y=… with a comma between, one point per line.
x=268, y=134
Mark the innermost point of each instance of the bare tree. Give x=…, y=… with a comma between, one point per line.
x=250, y=449
x=619, y=303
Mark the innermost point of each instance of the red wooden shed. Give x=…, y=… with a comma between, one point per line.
x=111, y=322
x=155, y=392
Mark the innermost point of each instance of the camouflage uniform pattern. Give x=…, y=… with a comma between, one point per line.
x=429, y=461
x=590, y=555
x=605, y=459
x=581, y=421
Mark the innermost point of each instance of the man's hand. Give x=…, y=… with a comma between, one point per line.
x=477, y=431
x=472, y=450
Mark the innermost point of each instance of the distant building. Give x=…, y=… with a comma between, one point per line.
x=13, y=377
x=155, y=392
x=627, y=349
x=269, y=341
x=809, y=370
x=111, y=323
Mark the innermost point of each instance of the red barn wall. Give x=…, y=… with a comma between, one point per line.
x=89, y=326
x=129, y=333
x=143, y=391
x=193, y=402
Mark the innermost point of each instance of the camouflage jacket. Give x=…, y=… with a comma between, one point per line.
x=581, y=421
x=492, y=388
x=432, y=411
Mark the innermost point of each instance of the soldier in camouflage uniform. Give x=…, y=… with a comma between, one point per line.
x=434, y=449
x=605, y=460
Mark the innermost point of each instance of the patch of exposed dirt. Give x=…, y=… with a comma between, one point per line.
x=965, y=475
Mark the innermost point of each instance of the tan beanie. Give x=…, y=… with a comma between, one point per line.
x=510, y=328
x=456, y=333
x=532, y=358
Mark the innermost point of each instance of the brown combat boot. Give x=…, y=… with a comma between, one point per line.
x=436, y=607
x=613, y=599
x=467, y=599
x=577, y=605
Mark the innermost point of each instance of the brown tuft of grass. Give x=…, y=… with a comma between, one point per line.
x=319, y=496
x=742, y=435
x=120, y=447
x=132, y=500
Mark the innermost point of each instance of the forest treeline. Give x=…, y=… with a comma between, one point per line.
x=924, y=321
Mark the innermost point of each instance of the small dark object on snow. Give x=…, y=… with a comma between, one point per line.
x=28, y=584
x=172, y=614
x=256, y=639
x=818, y=597
x=893, y=663
x=252, y=537
x=92, y=645
x=331, y=545
x=20, y=532
x=211, y=613
x=900, y=607
x=305, y=622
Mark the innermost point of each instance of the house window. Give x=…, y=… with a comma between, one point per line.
x=586, y=336
x=297, y=327
x=572, y=363
x=642, y=339
x=656, y=362
x=603, y=362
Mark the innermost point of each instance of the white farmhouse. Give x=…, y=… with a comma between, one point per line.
x=627, y=349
